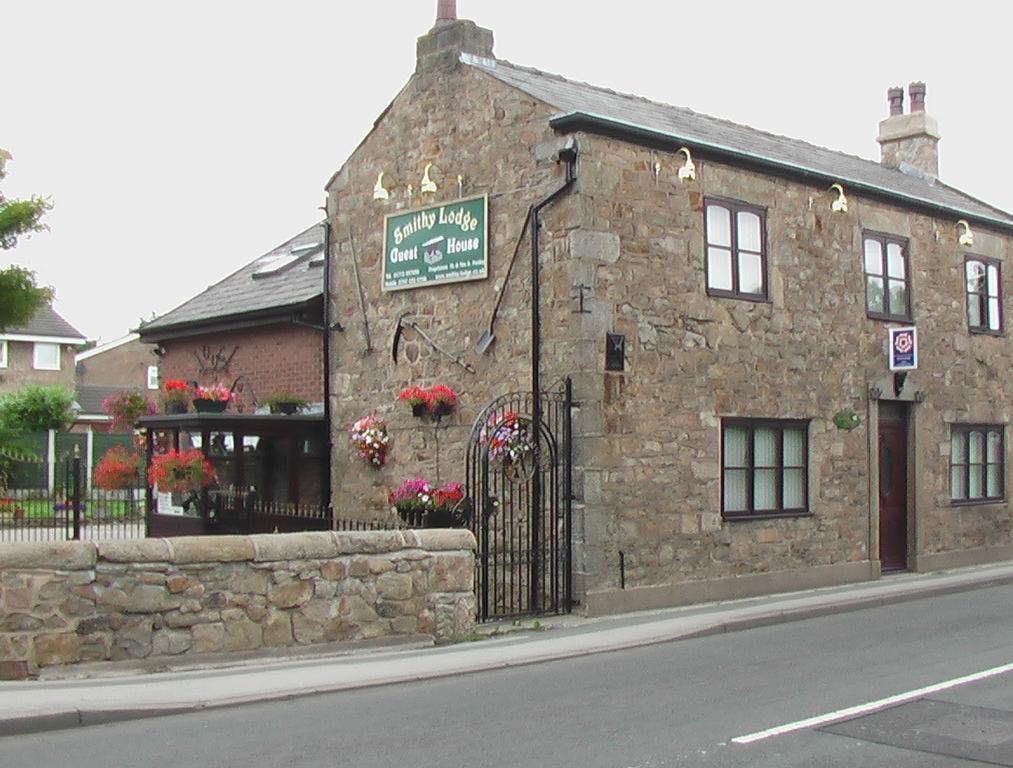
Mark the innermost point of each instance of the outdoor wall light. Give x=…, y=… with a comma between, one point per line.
x=379, y=193
x=428, y=186
x=966, y=235
x=840, y=205
x=688, y=170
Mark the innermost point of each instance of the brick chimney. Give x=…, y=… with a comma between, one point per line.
x=909, y=142
x=443, y=45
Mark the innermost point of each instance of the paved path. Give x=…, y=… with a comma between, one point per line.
x=113, y=695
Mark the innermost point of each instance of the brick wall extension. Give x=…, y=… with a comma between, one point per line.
x=125, y=365
x=264, y=361
x=70, y=602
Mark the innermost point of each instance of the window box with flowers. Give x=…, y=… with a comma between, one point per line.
x=441, y=400
x=415, y=396
x=423, y=505
x=175, y=397
x=213, y=399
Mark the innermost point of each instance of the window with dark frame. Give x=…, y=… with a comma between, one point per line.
x=735, y=234
x=976, y=463
x=764, y=468
x=984, y=295
x=887, y=282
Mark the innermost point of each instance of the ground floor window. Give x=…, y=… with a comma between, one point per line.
x=976, y=463
x=764, y=467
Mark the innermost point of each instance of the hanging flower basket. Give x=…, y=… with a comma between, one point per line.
x=509, y=444
x=118, y=470
x=213, y=399
x=180, y=472
x=369, y=439
x=126, y=408
x=423, y=505
x=442, y=401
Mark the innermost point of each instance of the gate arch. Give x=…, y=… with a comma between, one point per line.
x=522, y=521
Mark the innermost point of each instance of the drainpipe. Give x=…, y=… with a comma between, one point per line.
x=327, y=360
x=567, y=155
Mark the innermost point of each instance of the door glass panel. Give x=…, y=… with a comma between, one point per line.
x=719, y=226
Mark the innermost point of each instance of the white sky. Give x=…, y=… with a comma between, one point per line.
x=180, y=140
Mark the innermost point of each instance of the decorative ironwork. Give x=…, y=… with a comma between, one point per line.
x=522, y=509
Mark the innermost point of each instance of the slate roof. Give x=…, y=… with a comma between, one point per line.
x=580, y=102
x=241, y=293
x=46, y=322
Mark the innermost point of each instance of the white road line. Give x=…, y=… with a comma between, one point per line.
x=861, y=709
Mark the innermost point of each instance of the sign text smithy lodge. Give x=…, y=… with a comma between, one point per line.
x=445, y=243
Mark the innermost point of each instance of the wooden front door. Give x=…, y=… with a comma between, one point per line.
x=893, y=492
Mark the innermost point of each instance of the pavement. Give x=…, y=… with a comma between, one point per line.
x=83, y=695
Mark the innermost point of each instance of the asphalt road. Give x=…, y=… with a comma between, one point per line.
x=676, y=704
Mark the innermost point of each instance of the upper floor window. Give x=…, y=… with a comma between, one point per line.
x=984, y=296
x=3, y=353
x=736, y=250
x=887, y=285
x=46, y=356
x=976, y=462
x=764, y=467
x=152, y=377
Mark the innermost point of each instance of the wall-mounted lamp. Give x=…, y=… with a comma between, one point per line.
x=428, y=186
x=688, y=170
x=379, y=193
x=840, y=205
x=966, y=235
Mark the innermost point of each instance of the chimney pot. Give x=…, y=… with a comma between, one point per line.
x=917, y=93
x=446, y=10
x=896, y=98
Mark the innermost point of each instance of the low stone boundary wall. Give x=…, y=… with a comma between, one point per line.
x=69, y=602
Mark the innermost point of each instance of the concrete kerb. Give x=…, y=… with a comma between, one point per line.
x=511, y=650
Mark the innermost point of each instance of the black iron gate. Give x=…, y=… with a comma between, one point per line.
x=520, y=481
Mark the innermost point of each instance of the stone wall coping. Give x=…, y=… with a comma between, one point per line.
x=261, y=548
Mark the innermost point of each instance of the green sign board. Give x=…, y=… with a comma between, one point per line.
x=446, y=243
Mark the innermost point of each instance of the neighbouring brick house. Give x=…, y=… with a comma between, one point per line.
x=41, y=352
x=722, y=309
x=125, y=363
x=259, y=330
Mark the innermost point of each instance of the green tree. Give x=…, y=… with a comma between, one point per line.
x=36, y=408
x=20, y=296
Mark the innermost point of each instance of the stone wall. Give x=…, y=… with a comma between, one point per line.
x=63, y=603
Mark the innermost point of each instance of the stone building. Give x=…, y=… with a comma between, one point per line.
x=720, y=298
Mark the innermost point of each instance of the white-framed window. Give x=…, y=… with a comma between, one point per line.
x=46, y=356
x=152, y=377
x=3, y=353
